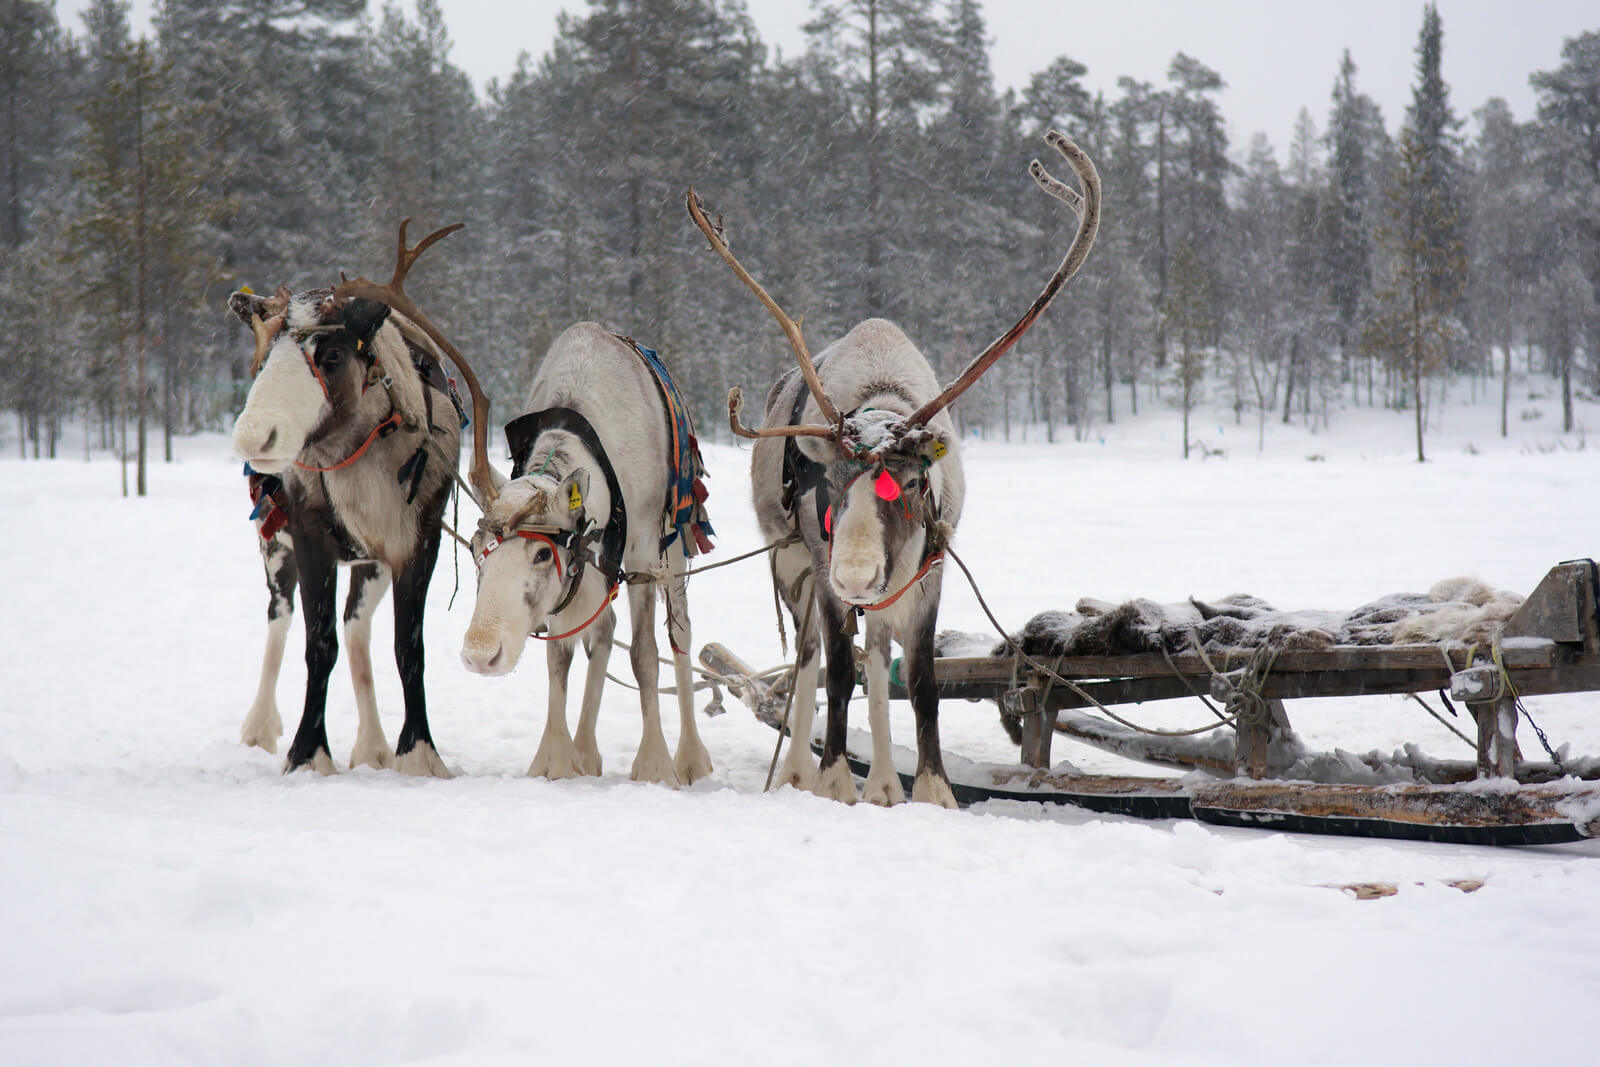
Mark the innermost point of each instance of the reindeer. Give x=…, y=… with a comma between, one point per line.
x=365, y=475
x=604, y=443
x=856, y=468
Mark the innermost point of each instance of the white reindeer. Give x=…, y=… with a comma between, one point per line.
x=857, y=455
x=582, y=513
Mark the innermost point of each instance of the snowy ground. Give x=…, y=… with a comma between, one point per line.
x=167, y=896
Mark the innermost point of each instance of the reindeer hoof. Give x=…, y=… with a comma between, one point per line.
x=693, y=762
x=928, y=789
x=555, y=763
x=422, y=762
x=883, y=789
x=374, y=753
x=319, y=761
x=261, y=729
x=835, y=783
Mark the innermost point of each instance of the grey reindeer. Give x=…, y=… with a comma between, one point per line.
x=857, y=465
x=605, y=492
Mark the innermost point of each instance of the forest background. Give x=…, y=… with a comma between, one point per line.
x=879, y=172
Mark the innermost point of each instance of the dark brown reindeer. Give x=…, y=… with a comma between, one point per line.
x=351, y=410
x=858, y=456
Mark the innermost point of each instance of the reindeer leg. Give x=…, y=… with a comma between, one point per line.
x=653, y=763
x=368, y=583
x=262, y=724
x=883, y=784
x=932, y=785
x=556, y=757
x=799, y=765
x=597, y=646
x=317, y=605
x=834, y=779
x=414, y=751
x=693, y=762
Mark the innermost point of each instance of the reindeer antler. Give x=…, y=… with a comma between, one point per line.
x=791, y=329
x=266, y=329
x=395, y=296
x=1087, y=207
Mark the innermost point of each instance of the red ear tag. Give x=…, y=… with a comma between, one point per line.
x=827, y=519
x=887, y=488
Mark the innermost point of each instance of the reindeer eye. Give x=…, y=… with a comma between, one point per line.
x=542, y=554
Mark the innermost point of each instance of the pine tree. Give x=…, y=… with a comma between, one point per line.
x=1437, y=204
x=1352, y=124
x=143, y=220
x=884, y=57
x=1190, y=310
x=1569, y=105
x=1416, y=328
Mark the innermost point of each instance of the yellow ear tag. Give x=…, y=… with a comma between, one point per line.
x=247, y=289
x=939, y=450
x=574, y=498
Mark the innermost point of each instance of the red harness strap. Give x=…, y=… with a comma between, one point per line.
x=928, y=564
x=611, y=595
x=383, y=429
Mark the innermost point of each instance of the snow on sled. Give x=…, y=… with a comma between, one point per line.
x=1485, y=649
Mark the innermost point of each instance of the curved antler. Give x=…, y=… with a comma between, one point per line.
x=791, y=329
x=266, y=329
x=1087, y=208
x=736, y=424
x=395, y=296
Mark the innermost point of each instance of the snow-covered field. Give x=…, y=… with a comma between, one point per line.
x=167, y=896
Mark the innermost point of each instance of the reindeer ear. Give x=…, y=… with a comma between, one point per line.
x=936, y=447
x=245, y=303
x=574, y=491
x=817, y=449
x=362, y=317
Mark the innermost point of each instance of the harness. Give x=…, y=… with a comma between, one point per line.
x=686, y=490
x=521, y=435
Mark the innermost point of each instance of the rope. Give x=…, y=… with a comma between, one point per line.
x=1516, y=699
x=804, y=631
x=1176, y=673
x=1069, y=683
x=1444, y=722
x=787, y=539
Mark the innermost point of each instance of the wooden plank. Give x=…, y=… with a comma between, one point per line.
x=989, y=670
x=1559, y=606
x=1422, y=812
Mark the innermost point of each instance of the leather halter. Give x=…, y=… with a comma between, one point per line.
x=522, y=435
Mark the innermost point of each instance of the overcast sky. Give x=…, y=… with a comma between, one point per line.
x=1276, y=56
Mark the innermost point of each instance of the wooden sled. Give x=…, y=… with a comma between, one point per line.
x=1551, y=645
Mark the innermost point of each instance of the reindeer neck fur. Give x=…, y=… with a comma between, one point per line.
x=366, y=502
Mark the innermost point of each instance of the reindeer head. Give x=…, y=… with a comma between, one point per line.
x=530, y=548
x=290, y=412
x=315, y=355
x=883, y=516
